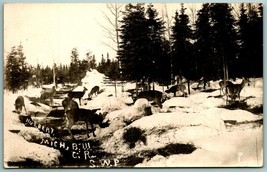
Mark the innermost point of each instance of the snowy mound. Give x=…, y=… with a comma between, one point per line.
x=23, y=151
x=120, y=118
x=93, y=78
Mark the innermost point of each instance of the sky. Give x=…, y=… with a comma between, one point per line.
x=49, y=31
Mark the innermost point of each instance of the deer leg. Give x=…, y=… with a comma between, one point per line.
x=221, y=91
x=61, y=130
x=69, y=125
x=93, y=129
x=25, y=109
x=51, y=101
x=87, y=131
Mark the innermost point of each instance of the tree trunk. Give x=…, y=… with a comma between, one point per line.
x=188, y=85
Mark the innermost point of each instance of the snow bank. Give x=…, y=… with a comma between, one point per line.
x=240, y=116
x=19, y=150
x=120, y=118
x=162, y=129
x=106, y=104
x=93, y=78
x=32, y=134
x=165, y=128
x=235, y=149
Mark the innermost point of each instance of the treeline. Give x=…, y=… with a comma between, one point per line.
x=218, y=45
x=19, y=74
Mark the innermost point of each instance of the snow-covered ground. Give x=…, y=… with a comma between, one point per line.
x=222, y=137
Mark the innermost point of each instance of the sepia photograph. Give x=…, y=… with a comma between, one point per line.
x=132, y=85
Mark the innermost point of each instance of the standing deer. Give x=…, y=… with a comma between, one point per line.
x=223, y=85
x=77, y=94
x=152, y=95
x=86, y=115
x=69, y=104
x=19, y=103
x=233, y=90
x=93, y=91
x=48, y=95
x=175, y=88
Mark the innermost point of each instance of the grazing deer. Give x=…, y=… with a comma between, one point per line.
x=223, y=85
x=152, y=95
x=69, y=104
x=86, y=115
x=48, y=94
x=19, y=103
x=93, y=91
x=175, y=88
x=77, y=94
x=202, y=81
x=233, y=90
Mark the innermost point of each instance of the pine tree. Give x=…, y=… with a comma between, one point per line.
x=158, y=62
x=74, y=71
x=255, y=22
x=204, y=45
x=134, y=43
x=224, y=39
x=17, y=72
x=243, y=41
x=47, y=75
x=181, y=46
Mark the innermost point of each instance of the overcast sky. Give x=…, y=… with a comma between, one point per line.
x=48, y=32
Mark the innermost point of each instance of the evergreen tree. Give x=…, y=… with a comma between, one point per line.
x=182, y=48
x=134, y=43
x=101, y=66
x=206, y=66
x=90, y=58
x=243, y=41
x=47, y=75
x=38, y=76
x=142, y=47
x=157, y=54
x=17, y=72
x=255, y=25
x=113, y=70
x=224, y=39
x=74, y=71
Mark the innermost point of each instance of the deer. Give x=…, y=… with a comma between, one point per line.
x=152, y=95
x=203, y=81
x=233, y=90
x=93, y=91
x=19, y=103
x=175, y=88
x=69, y=104
x=48, y=94
x=86, y=115
x=223, y=85
x=77, y=94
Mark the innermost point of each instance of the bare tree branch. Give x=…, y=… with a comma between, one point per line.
x=168, y=20
x=112, y=17
x=108, y=45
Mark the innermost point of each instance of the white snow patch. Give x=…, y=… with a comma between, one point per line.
x=17, y=149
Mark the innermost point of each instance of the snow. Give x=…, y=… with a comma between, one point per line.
x=217, y=152
x=17, y=149
x=119, y=118
x=223, y=137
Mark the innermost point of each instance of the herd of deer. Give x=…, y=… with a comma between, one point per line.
x=72, y=111
x=74, y=114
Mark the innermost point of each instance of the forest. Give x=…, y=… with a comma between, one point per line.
x=217, y=45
